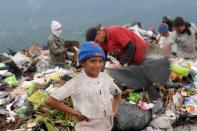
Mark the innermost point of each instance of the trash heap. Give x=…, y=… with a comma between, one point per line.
x=176, y=110
x=26, y=80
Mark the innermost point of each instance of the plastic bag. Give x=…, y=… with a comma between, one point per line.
x=11, y=81
x=179, y=69
x=131, y=117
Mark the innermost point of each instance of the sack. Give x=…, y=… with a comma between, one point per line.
x=131, y=117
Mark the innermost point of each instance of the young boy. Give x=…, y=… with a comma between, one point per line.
x=91, y=92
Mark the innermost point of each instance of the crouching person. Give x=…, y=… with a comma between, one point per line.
x=95, y=96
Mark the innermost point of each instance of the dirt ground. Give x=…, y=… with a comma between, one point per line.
x=5, y=126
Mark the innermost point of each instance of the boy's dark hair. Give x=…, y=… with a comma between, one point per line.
x=179, y=21
x=91, y=33
x=187, y=26
x=139, y=24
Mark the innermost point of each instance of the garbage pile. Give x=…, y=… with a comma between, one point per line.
x=175, y=110
x=26, y=79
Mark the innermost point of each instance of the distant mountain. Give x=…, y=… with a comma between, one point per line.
x=25, y=21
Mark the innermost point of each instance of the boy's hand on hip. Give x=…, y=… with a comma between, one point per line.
x=80, y=116
x=114, y=114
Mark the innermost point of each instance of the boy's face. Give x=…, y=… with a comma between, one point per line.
x=93, y=66
x=164, y=34
x=101, y=37
x=180, y=28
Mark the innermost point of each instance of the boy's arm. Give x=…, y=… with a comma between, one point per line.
x=59, y=106
x=116, y=103
x=167, y=49
x=171, y=41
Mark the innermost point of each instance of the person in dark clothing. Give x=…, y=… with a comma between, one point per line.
x=56, y=44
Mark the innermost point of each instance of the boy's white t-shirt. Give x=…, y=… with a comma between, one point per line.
x=90, y=96
x=165, y=40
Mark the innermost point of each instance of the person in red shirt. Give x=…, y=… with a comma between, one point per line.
x=130, y=49
x=121, y=43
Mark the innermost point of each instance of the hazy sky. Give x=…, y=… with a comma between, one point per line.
x=25, y=21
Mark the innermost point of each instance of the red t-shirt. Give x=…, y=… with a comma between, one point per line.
x=118, y=37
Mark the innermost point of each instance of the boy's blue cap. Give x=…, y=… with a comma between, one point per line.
x=89, y=50
x=163, y=27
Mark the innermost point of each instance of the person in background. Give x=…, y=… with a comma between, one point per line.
x=185, y=36
x=164, y=36
x=123, y=44
x=169, y=22
x=95, y=97
x=56, y=44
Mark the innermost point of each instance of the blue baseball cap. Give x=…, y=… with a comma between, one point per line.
x=163, y=27
x=89, y=50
